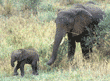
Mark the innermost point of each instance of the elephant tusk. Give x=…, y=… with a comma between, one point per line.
x=74, y=33
x=60, y=43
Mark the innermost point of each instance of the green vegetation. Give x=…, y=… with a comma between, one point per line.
x=24, y=24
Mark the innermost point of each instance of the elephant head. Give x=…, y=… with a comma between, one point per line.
x=16, y=55
x=75, y=21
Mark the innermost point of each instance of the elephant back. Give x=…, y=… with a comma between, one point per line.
x=93, y=8
x=30, y=53
x=97, y=13
x=23, y=54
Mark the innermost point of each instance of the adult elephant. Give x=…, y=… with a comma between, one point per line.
x=78, y=22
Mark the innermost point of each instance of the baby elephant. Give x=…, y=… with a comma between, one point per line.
x=25, y=56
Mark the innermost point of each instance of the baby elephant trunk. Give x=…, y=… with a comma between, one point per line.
x=12, y=62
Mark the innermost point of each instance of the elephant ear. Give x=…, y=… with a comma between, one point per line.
x=20, y=55
x=82, y=19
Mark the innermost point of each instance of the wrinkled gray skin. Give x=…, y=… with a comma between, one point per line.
x=25, y=56
x=76, y=22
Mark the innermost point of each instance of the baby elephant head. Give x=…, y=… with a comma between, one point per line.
x=14, y=56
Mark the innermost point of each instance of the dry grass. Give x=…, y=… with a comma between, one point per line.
x=21, y=29
x=7, y=8
x=18, y=32
x=96, y=66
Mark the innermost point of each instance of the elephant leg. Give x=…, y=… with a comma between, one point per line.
x=60, y=33
x=91, y=49
x=16, y=68
x=71, y=45
x=85, y=48
x=22, y=68
x=34, y=68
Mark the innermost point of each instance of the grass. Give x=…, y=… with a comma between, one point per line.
x=27, y=30
x=67, y=75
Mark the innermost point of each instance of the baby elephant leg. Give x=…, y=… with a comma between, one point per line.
x=22, y=68
x=16, y=68
x=34, y=67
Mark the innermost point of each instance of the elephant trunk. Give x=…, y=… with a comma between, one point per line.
x=12, y=61
x=58, y=37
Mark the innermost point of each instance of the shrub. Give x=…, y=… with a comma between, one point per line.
x=103, y=36
x=46, y=16
x=46, y=6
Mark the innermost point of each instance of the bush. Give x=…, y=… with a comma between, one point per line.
x=46, y=6
x=104, y=27
x=46, y=16
x=103, y=36
x=1, y=2
x=30, y=3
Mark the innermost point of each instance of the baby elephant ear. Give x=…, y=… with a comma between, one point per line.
x=21, y=56
x=82, y=19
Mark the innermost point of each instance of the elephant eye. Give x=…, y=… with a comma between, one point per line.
x=71, y=30
x=66, y=24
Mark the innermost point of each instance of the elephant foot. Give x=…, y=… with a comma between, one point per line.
x=35, y=73
x=22, y=74
x=70, y=58
x=15, y=74
x=87, y=57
